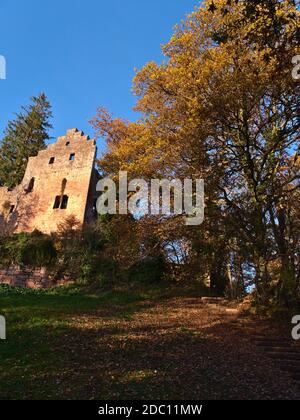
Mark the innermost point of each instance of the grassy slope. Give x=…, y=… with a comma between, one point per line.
x=40, y=324
x=36, y=321
x=141, y=344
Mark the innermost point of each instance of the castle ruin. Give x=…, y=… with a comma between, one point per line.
x=59, y=182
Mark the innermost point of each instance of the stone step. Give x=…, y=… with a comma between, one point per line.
x=290, y=369
x=284, y=356
x=291, y=363
x=277, y=349
x=273, y=340
x=284, y=351
x=288, y=349
x=287, y=345
x=212, y=300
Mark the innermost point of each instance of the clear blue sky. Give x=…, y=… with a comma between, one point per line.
x=81, y=53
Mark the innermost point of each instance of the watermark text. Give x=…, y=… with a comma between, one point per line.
x=296, y=329
x=2, y=328
x=2, y=67
x=296, y=69
x=155, y=197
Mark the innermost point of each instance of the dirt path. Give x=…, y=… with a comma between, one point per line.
x=182, y=348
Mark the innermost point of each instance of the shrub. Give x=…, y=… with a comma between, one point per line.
x=149, y=270
x=28, y=249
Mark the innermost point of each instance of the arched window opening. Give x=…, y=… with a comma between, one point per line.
x=61, y=201
x=57, y=202
x=64, y=202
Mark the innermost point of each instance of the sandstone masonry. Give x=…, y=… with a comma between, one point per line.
x=60, y=182
x=24, y=277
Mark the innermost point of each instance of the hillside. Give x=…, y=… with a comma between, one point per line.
x=155, y=344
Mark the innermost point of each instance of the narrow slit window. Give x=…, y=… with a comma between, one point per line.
x=72, y=157
x=64, y=202
x=63, y=185
x=11, y=210
x=57, y=202
x=51, y=161
x=30, y=187
x=68, y=143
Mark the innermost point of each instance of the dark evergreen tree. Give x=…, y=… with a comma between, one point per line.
x=25, y=136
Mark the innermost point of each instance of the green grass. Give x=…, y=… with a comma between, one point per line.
x=36, y=322
x=68, y=342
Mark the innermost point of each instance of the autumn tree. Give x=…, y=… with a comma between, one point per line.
x=224, y=107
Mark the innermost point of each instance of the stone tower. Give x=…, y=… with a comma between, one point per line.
x=58, y=183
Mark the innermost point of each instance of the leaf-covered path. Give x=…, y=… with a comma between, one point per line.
x=167, y=348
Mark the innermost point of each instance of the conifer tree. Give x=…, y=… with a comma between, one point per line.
x=24, y=136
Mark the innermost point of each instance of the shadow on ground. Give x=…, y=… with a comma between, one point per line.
x=140, y=348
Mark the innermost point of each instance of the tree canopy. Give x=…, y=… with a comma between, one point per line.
x=224, y=107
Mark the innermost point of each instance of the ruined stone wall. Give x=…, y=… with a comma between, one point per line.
x=34, y=279
x=69, y=163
